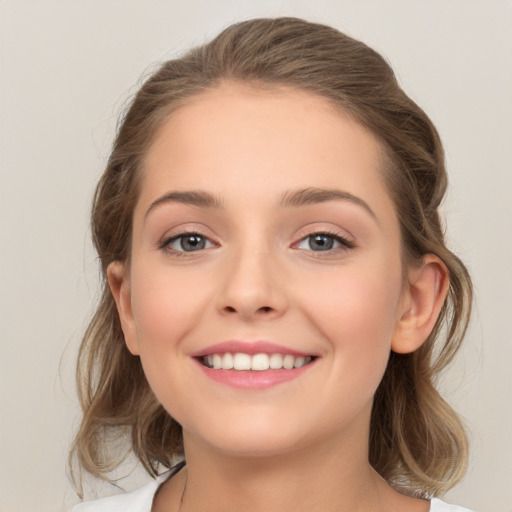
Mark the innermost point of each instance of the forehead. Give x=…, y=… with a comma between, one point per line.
x=242, y=115
x=241, y=140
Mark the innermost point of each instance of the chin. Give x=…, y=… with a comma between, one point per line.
x=260, y=447
x=258, y=438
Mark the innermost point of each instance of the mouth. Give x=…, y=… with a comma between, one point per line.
x=253, y=365
x=241, y=361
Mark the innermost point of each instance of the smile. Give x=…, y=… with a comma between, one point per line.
x=257, y=362
x=253, y=365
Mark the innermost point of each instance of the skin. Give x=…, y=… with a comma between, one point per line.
x=301, y=445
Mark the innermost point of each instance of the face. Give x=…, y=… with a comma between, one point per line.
x=264, y=238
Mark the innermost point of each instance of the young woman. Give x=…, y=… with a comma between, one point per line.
x=278, y=295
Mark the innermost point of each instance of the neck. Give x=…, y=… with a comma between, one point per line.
x=320, y=479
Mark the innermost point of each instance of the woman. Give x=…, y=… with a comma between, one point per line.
x=278, y=294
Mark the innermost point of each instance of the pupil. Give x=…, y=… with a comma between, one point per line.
x=192, y=243
x=321, y=242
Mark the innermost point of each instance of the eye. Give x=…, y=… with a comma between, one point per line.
x=187, y=242
x=324, y=242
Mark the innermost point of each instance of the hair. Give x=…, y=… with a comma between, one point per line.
x=417, y=442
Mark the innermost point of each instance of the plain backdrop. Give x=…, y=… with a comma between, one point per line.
x=67, y=69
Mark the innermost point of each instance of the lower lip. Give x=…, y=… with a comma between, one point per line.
x=253, y=379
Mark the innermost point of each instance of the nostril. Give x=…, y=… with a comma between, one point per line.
x=259, y=310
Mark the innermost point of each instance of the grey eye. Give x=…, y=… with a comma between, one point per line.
x=320, y=242
x=192, y=242
x=323, y=242
x=188, y=242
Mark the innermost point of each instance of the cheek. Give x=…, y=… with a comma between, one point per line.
x=165, y=306
x=356, y=310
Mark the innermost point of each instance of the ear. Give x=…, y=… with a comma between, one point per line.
x=119, y=282
x=423, y=299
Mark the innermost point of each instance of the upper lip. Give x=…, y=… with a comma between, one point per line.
x=248, y=347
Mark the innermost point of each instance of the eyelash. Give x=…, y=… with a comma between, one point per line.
x=165, y=244
x=344, y=242
x=337, y=237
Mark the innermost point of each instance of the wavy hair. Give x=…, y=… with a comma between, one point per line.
x=417, y=442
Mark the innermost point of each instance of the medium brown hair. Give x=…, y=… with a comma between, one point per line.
x=417, y=442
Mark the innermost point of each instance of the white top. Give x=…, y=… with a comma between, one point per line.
x=141, y=500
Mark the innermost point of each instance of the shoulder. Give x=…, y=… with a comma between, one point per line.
x=140, y=500
x=436, y=505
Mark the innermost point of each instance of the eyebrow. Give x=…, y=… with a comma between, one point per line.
x=191, y=197
x=313, y=195
x=292, y=198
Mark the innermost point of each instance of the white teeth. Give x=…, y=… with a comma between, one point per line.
x=242, y=362
x=257, y=362
x=276, y=361
x=217, y=361
x=288, y=361
x=299, y=362
x=227, y=361
x=260, y=362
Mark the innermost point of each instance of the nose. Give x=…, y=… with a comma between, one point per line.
x=251, y=287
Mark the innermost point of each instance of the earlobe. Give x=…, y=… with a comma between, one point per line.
x=119, y=283
x=424, y=297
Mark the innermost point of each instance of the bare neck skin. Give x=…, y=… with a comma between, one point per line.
x=331, y=476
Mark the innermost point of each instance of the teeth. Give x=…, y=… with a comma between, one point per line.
x=288, y=361
x=227, y=361
x=242, y=362
x=276, y=361
x=260, y=362
x=299, y=362
x=257, y=362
